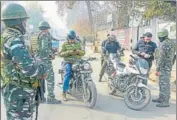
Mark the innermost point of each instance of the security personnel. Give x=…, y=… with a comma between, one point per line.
x=71, y=49
x=111, y=46
x=164, y=67
x=45, y=52
x=102, y=49
x=144, y=47
x=19, y=71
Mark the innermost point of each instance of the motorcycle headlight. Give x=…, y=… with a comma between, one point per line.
x=143, y=71
x=86, y=66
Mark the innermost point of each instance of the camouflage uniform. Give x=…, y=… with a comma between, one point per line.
x=45, y=53
x=19, y=72
x=44, y=43
x=164, y=67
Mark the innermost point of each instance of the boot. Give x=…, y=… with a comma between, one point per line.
x=43, y=101
x=158, y=100
x=64, y=96
x=100, y=78
x=165, y=103
x=53, y=101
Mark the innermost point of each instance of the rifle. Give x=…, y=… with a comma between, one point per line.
x=40, y=98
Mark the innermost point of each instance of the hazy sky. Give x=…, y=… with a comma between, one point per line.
x=51, y=12
x=50, y=9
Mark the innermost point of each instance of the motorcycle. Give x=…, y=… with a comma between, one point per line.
x=130, y=81
x=81, y=82
x=112, y=58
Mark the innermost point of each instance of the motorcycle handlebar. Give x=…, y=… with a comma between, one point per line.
x=132, y=57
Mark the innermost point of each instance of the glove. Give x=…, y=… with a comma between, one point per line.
x=157, y=73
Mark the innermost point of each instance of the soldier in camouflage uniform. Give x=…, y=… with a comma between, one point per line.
x=164, y=67
x=19, y=71
x=44, y=51
x=71, y=49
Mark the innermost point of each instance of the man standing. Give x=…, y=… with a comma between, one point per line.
x=164, y=67
x=102, y=49
x=19, y=71
x=111, y=46
x=71, y=49
x=145, y=48
x=45, y=52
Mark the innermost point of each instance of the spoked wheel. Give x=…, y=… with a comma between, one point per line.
x=90, y=97
x=137, y=99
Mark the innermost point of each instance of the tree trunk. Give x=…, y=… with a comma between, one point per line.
x=92, y=26
x=90, y=15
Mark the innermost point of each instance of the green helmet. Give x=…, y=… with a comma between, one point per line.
x=44, y=25
x=163, y=33
x=13, y=11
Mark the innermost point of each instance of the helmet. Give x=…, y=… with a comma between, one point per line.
x=71, y=34
x=44, y=25
x=147, y=34
x=13, y=14
x=163, y=33
x=13, y=11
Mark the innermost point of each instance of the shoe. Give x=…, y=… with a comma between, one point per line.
x=64, y=97
x=53, y=101
x=158, y=100
x=163, y=104
x=43, y=101
x=100, y=79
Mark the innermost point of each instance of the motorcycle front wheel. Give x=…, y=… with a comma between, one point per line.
x=137, y=99
x=90, y=97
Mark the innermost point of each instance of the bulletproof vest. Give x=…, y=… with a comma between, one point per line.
x=6, y=64
x=34, y=42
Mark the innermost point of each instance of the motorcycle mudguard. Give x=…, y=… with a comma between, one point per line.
x=142, y=85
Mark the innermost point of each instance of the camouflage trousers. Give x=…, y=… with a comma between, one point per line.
x=164, y=84
x=50, y=79
x=19, y=102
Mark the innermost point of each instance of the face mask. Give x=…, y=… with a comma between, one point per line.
x=161, y=39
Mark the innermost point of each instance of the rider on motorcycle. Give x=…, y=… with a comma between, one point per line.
x=111, y=46
x=71, y=49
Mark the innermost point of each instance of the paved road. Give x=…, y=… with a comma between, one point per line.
x=107, y=107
